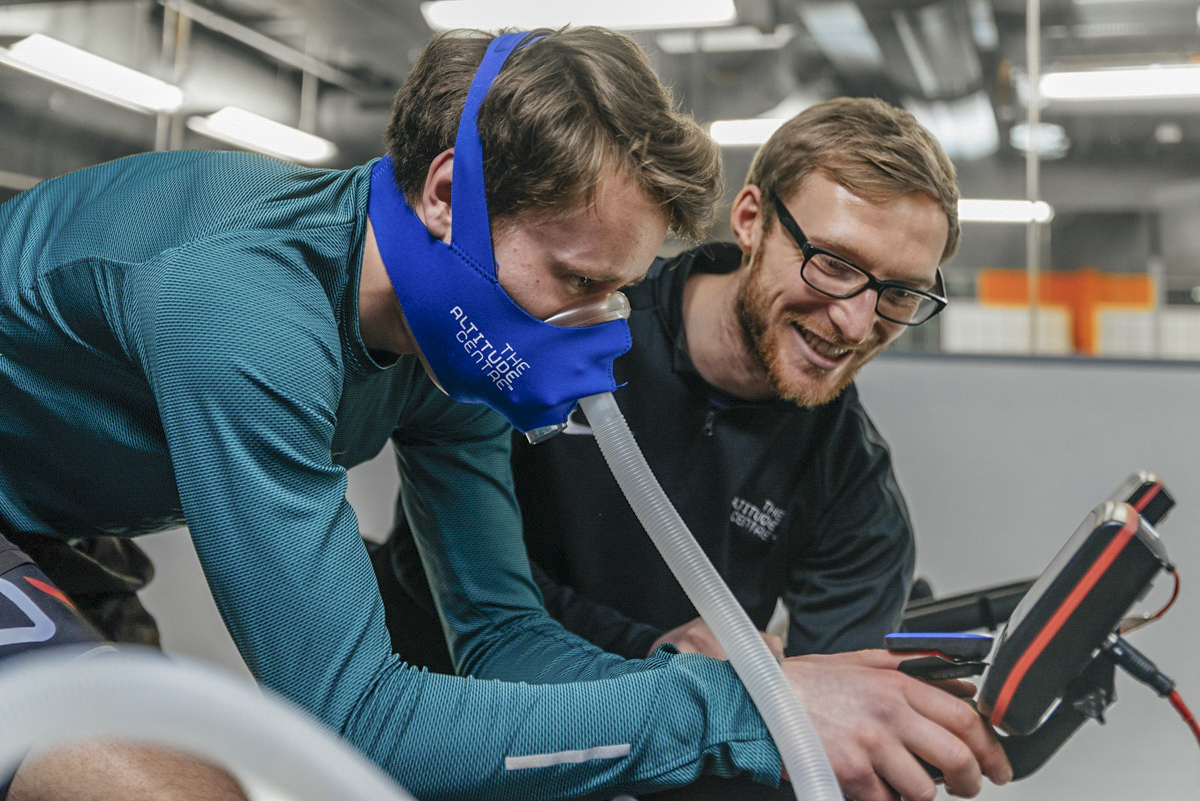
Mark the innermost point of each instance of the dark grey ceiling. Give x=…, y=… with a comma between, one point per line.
x=926, y=53
x=1135, y=161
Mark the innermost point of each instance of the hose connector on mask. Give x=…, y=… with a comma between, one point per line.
x=614, y=306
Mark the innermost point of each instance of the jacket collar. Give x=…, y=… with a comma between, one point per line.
x=718, y=258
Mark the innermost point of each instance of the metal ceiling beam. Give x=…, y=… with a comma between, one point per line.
x=269, y=47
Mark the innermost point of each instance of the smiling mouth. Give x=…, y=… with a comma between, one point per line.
x=822, y=347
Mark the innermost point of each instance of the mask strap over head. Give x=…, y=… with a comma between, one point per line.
x=471, y=230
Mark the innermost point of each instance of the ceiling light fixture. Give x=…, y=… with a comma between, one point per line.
x=740, y=38
x=443, y=15
x=88, y=73
x=1050, y=142
x=744, y=133
x=1168, y=133
x=1004, y=211
x=966, y=127
x=247, y=130
x=1181, y=80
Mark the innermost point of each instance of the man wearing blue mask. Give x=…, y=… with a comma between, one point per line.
x=215, y=338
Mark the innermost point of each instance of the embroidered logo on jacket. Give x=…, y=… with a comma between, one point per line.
x=760, y=522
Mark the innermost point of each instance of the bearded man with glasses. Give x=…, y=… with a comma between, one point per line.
x=809, y=311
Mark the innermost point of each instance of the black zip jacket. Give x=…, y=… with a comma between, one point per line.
x=788, y=502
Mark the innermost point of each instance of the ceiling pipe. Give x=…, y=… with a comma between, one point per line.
x=1033, y=55
x=270, y=47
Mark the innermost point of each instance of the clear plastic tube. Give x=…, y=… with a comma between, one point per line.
x=142, y=696
x=803, y=755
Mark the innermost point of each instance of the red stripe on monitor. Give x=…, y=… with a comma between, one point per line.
x=1085, y=585
x=1145, y=499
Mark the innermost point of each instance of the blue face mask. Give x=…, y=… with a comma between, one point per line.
x=480, y=346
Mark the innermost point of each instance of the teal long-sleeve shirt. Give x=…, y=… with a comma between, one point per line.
x=179, y=344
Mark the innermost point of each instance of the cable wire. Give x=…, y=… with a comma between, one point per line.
x=1131, y=623
x=1171, y=601
x=1177, y=701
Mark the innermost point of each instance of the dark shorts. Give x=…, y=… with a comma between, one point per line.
x=100, y=576
x=56, y=594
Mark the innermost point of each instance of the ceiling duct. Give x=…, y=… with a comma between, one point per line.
x=965, y=126
x=931, y=54
x=844, y=36
x=930, y=51
x=923, y=56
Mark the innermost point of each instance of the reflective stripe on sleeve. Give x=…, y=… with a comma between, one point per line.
x=563, y=757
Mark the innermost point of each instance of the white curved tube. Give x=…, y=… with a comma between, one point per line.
x=803, y=755
x=142, y=696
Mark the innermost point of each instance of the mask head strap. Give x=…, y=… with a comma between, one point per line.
x=471, y=233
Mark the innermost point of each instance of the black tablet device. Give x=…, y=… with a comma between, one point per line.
x=1064, y=619
x=1144, y=491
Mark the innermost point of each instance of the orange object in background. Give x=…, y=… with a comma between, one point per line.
x=1084, y=292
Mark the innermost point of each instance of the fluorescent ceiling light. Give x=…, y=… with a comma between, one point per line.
x=491, y=15
x=757, y=130
x=1050, y=142
x=80, y=70
x=1181, y=80
x=1168, y=133
x=1004, y=211
x=735, y=133
x=793, y=103
x=739, y=38
x=250, y=131
x=983, y=24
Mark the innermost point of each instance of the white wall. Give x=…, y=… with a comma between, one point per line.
x=1000, y=460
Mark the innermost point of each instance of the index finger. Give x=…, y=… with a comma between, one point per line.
x=871, y=657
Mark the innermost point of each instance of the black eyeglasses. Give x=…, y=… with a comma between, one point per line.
x=832, y=275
